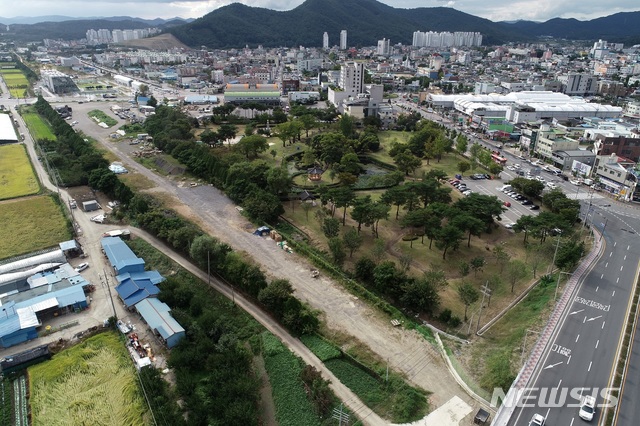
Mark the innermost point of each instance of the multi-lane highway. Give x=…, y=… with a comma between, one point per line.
x=581, y=354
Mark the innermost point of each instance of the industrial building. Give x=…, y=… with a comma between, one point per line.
x=158, y=316
x=34, y=289
x=139, y=288
x=59, y=83
x=7, y=131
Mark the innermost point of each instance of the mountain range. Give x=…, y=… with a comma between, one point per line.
x=366, y=21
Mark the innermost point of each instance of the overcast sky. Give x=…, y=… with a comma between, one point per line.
x=495, y=10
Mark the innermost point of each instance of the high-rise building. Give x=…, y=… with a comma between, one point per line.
x=384, y=47
x=343, y=40
x=352, y=78
x=446, y=39
x=325, y=40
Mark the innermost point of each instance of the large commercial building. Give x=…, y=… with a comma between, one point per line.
x=267, y=94
x=522, y=107
x=7, y=131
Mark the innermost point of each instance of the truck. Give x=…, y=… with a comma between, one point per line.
x=588, y=182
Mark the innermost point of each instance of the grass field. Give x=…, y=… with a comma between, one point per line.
x=31, y=224
x=16, y=174
x=38, y=128
x=93, y=383
x=16, y=82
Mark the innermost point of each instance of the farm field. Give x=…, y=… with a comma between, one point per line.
x=16, y=174
x=37, y=220
x=38, y=128
x=93, y=383
x=16, y=82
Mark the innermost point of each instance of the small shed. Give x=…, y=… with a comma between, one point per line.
x=158, y=315
x=89, y=206
x=307, y=196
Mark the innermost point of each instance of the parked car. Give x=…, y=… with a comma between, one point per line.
x=466, y=193
x=81, y=267
x=534, y=207
x=509, y=225
x=526, y=202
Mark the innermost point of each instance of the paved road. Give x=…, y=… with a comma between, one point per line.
x=582, y=353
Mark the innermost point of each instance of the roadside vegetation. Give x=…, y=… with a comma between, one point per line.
x=91, y=383
x=17, y=177
x=32, y=224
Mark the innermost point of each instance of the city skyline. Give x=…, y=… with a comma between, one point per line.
x=495, y=10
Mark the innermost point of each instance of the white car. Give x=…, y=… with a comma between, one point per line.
x=588, y=408
x=537, y=420
x=539, y=178
x=574, y=181
x=81, y=267
x=509, y=225
x=552, y=185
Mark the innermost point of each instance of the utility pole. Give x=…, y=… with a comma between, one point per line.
x=606, y=219
x=113, y=306
x=555, y=253
x=486, y=291
x=340, y=416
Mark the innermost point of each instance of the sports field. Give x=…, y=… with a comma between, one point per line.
x=16, y=174
x=31, y=224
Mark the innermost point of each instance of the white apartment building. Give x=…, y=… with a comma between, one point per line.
x=384, y=47
x=325, y=40
x=446, y=39
x=343, y=40
x=575, y=84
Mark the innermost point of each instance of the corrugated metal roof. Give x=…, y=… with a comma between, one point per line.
x=157, y=315
x=7, y=132
x=119, y=254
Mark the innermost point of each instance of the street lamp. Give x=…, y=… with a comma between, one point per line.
x=555, y=297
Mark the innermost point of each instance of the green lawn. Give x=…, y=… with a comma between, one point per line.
x=38, y=128
x=31, y=224
x=16, y=174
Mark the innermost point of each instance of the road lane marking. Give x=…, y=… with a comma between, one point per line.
x=594, y=318
x=597, y=288
x=625, y=257
x=572, y=419
x=615, y=243
x=602, y=276
x=552, y=365
x=614, y=293
x=603, y=323
x=569, y=360
x=617, y=280
x=576, y=312
x=597, y=343
x=621, y=267
x=628, y=248
x=577, y=337
x=610, y=254
x=584, y=320
x=590, y=366
x=606, y=264
x=559, y=383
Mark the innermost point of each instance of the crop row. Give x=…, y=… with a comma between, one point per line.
x=292, y=405
x=5, y=403
x=320, y=347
